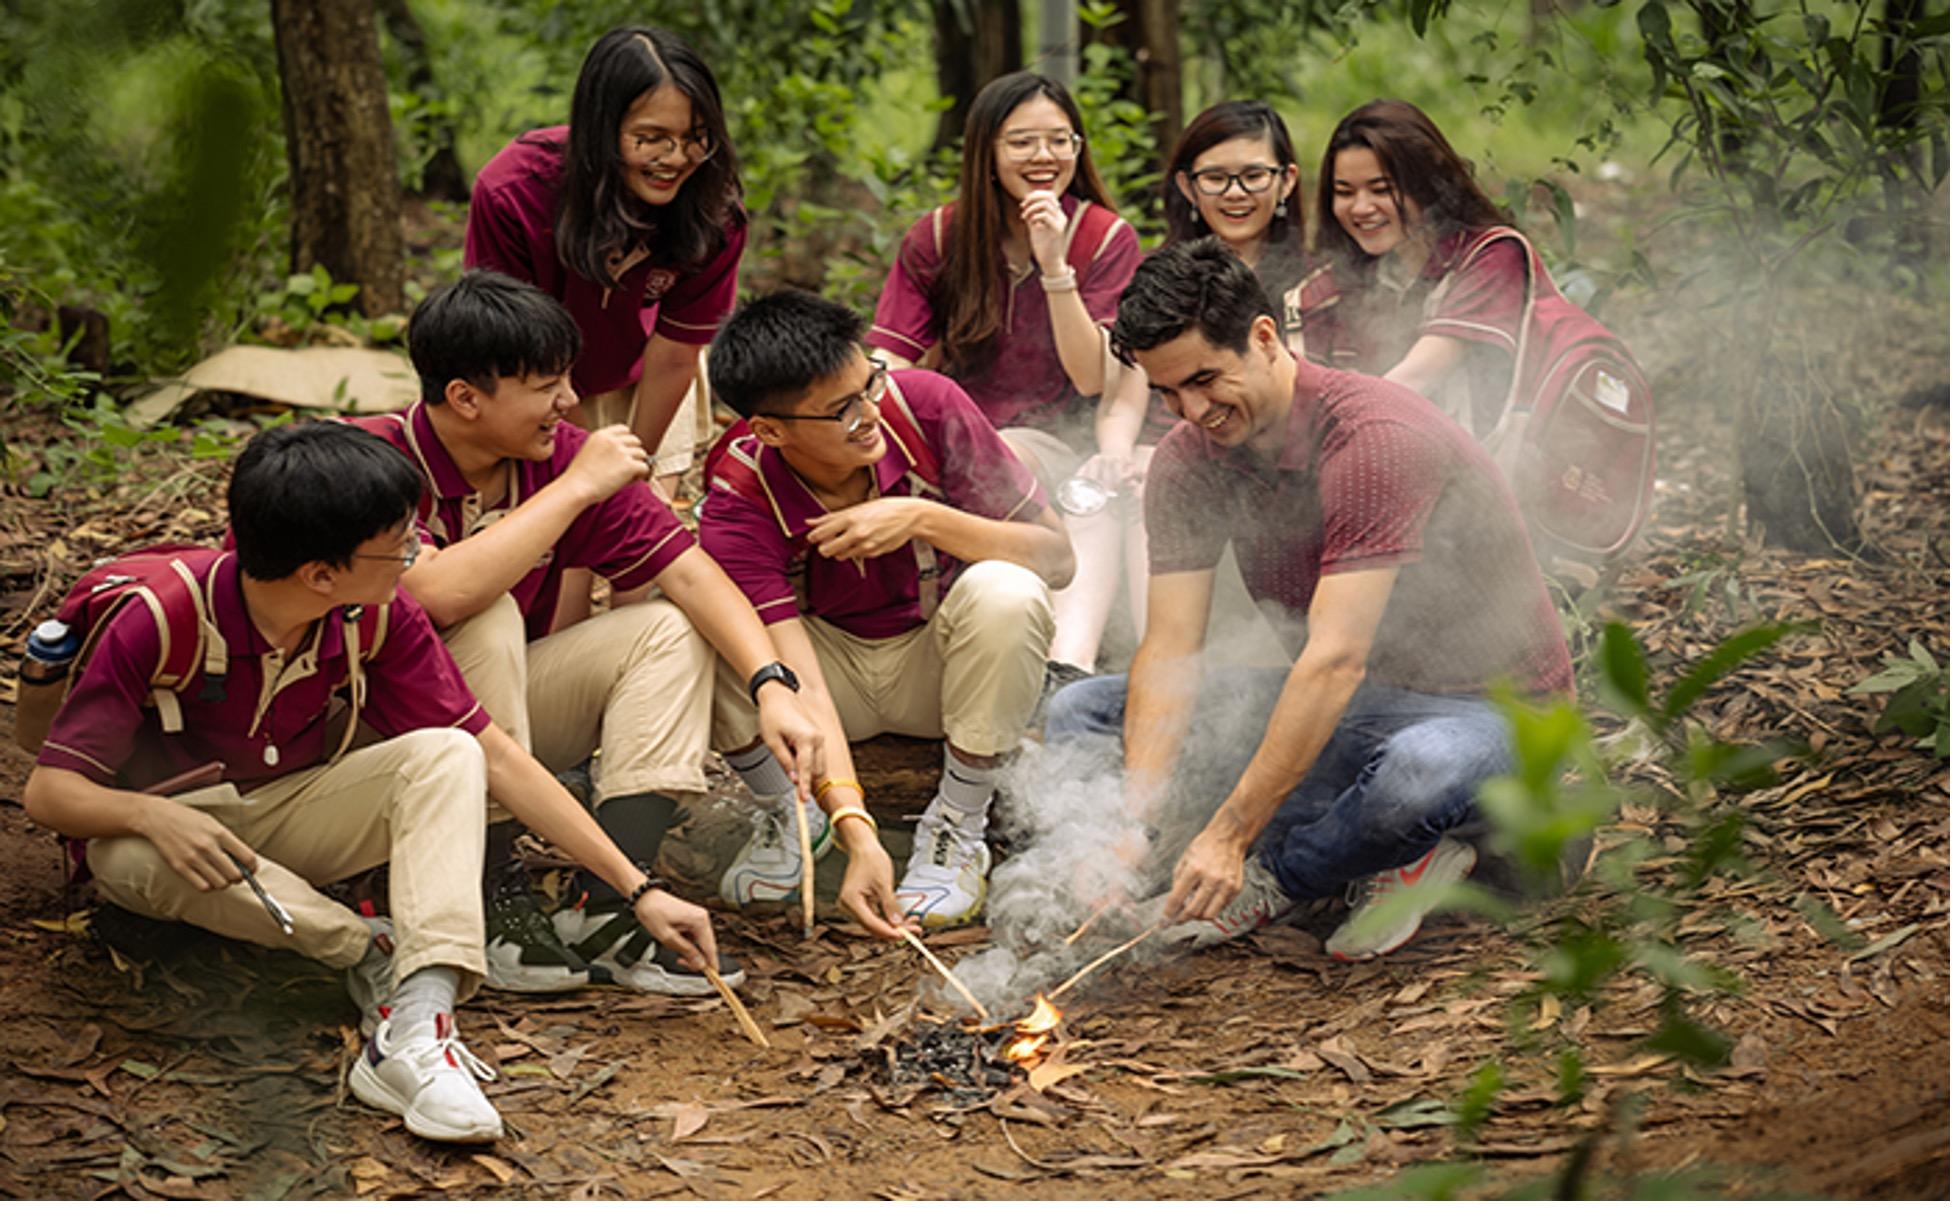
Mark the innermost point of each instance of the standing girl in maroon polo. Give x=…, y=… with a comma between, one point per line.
x=1410, y=291
x=631, y=217
x=1008, y=291
x=1234, y=175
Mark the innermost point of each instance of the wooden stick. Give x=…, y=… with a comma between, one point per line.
x=741, y=1015
x=1082, y=930
x=943, y=972
x=808, y=870
x=1101, y=960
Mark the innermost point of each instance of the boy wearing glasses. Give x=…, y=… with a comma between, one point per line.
x=513, y=497
x=901, y=557
x=304, y=613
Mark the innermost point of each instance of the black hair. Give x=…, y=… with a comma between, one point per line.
x=597, y=216
x=313, y=492
x=772, y=349
x=484, y=326
x=1200, y=284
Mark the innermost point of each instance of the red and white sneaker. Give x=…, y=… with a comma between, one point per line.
x=1258, y=903
x=1374, y=929
x=426, y=1076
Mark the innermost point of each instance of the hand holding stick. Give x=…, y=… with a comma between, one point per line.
x=741, y=1015
x=1103, y=959
x=945, y=973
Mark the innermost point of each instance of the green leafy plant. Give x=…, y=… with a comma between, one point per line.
x=1920, y=697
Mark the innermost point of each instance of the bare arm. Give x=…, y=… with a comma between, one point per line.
x=460, y=580
x=1346, y=610
x=531, y=793
x=1163, y=683
x=878, y=526
x=665, y=374
x=1428, y=364
x=696, y=583
x=868, y=890
x=193, y=843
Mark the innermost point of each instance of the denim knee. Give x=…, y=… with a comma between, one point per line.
x=1430, y=772
x=1092, y=706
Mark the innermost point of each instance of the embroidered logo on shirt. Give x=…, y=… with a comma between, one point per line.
x=658, y=282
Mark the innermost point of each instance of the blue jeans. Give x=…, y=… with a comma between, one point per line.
x=1399, y=772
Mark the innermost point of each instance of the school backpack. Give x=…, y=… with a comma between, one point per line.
x=165, y=581
x=734, y=465
x=1575, y=437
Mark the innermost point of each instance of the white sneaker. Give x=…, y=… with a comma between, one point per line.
x=769, y=866
x=1258, y=903
x=945, y=882
x=427, y=1078
x=1371, y=930
x=623, y=953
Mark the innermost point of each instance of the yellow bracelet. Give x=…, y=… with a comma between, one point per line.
x=824, y=786
x=853, y=811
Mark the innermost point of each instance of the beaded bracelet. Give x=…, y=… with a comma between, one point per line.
x=646, y=886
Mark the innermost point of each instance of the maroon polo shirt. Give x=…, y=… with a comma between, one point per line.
x=629, y=538
x=1370, y=475
x=761, y=540
x=105, y=726
x=1025, y=384
x=512, y=229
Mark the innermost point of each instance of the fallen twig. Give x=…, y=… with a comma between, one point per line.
x=944, y=972
x=1103, y=959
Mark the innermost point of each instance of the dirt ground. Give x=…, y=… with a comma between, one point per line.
x=1260, y=1070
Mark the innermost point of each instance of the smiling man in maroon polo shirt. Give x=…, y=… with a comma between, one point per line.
x=901, y=557
x=321, y=517
x=1383, y=542
x=513, y=497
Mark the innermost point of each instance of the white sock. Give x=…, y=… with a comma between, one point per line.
x=422, y=995
x=966, y=790
x=761, y=772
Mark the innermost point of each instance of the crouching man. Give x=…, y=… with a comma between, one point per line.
x=902, y=558
x=512, y=497
x=1351, y=504
x=322, y=516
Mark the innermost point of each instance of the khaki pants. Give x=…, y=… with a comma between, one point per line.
x=636, y=681
x=413, y=803
x=971, y=675
x=693, y=423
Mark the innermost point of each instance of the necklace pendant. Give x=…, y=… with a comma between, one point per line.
x=271, y=755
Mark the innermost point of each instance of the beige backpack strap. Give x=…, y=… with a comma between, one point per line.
x=356, y=675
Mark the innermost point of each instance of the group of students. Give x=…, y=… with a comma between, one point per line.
x=877, y=553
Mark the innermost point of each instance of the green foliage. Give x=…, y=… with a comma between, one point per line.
x=1478, y=1101
x=309, y=301
x=1119, y=134
x=1920, y=701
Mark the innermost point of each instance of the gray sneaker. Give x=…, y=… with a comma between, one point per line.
x=1374, y=928
x=1258, y=903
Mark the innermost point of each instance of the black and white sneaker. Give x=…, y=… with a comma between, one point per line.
x=524, y=955
x=623, y=953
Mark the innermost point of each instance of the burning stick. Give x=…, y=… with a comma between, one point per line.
x=943, y=972
x=741, y=1015
x=1103, y=959
x=808, y=870
x=1082, y=930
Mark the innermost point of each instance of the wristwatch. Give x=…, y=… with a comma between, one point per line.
x=772, y=672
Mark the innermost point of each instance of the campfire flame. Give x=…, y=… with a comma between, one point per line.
x=1032, y=1034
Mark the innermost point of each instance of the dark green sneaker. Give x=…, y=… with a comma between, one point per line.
x=523, y=953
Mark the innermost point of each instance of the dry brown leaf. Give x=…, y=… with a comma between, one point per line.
x=368, y=1175
x=1339, y=1053
x=1053, y=1070
x=1630, y=1068
x=1750, y=1057
x=1222, y=1159
x=690, y=1119
x=1547, y=1013
x=503, y=1171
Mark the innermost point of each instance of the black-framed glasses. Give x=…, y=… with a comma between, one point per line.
x=697, y=146
x=853, y=412
x=1026, y=145
x=1215, y=182
x=411, y=549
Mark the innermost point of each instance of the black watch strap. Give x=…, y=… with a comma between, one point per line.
x=770, y=673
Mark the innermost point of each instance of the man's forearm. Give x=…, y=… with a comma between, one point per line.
x=1314, y=698
x=1162, y=695
x=530, y=792
x=460, y=580
x=666, y=373
x=971, y=538
x=718, y=610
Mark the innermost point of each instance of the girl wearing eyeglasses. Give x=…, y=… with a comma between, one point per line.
x=1407, y=291
x=1007, y=291
x=1234, y=175
x=631, y=217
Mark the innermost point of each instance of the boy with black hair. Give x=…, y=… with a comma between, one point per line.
x=1387, y=541
x=512, y=497
x=901, y=557
x=321, y=515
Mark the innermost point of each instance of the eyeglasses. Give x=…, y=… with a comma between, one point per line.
x=1020, y=147
x=1215, y=182
x=651, y=148
x=411, y=549
x=851, y=412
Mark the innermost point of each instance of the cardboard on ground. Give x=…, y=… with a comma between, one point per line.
x=363, y=380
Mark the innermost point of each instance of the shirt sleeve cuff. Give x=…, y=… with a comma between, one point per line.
x=891, y=341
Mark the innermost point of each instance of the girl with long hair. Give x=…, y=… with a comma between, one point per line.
x=1006, y=291
x=1406, y=283
x=631, y=216
x=1234, y=175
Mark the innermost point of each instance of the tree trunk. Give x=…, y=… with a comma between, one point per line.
x=1149, y=34
x=1797, y=476
x=442, y=176
x=976, y=41
x=346, y=201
